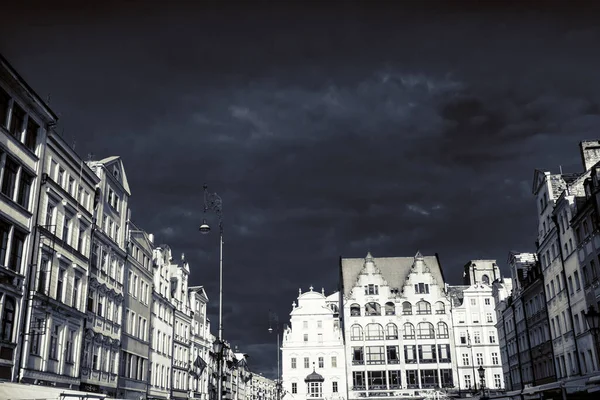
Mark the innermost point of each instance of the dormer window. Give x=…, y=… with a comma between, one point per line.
x=421, y=288
x=371, y=290
x=116, y=172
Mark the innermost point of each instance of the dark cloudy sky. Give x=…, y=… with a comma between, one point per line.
x=328, y=131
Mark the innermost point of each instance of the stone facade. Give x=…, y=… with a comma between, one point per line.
x=397, y=326
x=313, y=342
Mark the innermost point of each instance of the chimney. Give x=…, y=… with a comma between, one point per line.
x=590, y=153
x=151, y=237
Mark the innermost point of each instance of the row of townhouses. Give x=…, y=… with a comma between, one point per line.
x=548, y=317
x=395, y=329
x=88, y=300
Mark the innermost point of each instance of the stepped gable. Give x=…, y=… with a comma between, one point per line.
x=394, y=270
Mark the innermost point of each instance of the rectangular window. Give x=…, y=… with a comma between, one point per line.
x=4, y=103
x=487, y=302
x=9, y=179
x=294, y=388
x=479, y=358
x=489, y=318
x=333, y=361
x=24, y=193
x=54, y=342
x=31, y=134
x=495, y=358
x=59, y=285
x=16, y=121
x=293, y=362
x=66, y=229
x=4, y=232
x=321, y=362
x=50, y=216
x=69, y=346
x=465, y=359
x=306, y=362
x=16, y=251
x=334, y=387
x=320, y=337
x=76, y=287
x=306, y=337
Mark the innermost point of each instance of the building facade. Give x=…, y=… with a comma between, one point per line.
x=474, y=324
x=102, y=344
x=56, y=317
x=135, y=338
x=24, y=121
x=262, y=388
x=396, y=323
x=182, y=358
x=201, y=344
x=313, y=342
x=161, y=326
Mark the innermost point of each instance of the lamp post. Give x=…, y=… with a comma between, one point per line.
x=592, y=317
x=213, y=202
x=274, y=318
x=481, y=372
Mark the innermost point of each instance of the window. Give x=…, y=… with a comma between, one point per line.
x=497, y=381
x=54, y=342
x=4, y=233
x=495, y=358
x=306, y=337
x=69, y=346
x=487, y=302
x=465, y=359
x=489, y=318
x=4, y=103
x=294, y=388
x=334, y=387
x=319, y=324
x=468, y=381
x=16, y=121
x=473, y=302
x=355, y=310
x=315, y=389
x=442, y=330
x=321, y=362
x=423, y=307
x=477, y=337
x=59, y=285
x=66, y=229
x=492, y=337
x=31, y=134
x=372, y=309
x=9, y=178
x=320, y=337
x=293, y=362
x=24, y=193
x=371, y=290
x=479, y=358
x=375, y=355
x=333, y=361
x=356, y=332
x=421, y=288
x=50, y=216
x=306, y=362
x=16, y=251
x=80, y=239
x=406, y=308
x=8, y=319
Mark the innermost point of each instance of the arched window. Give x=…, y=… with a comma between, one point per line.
x=442, y=329
x=409, y=331
x=355, y=310
x=356, y=332
x=423, y=307
x=374, y=332
x=390, y=308
x=391, y=331
x=440, y=308
x=334, y=308
x=372, y=309
x=8, y=319
x=485, y=279
x=426, y=331
x=406, y=308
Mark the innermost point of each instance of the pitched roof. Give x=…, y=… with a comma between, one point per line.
x=394, y=270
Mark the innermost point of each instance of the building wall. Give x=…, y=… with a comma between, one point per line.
x=135, y=342
x=313, y=342
x=179, y=274
x=24, y=120
x=262, y=388
x=201, y=344
x=55, y=323
x=474, y=323
x=397, y=326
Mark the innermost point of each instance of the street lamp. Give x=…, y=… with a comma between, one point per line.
x=213, y=202
x=592, y=318
x=481, y=372
x=273, y=317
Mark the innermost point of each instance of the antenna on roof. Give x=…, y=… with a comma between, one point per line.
x=560, y=169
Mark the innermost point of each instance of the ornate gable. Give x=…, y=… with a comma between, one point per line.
x=539, y=178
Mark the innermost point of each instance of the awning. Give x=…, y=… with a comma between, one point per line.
x=19, y=391
x=542, y=388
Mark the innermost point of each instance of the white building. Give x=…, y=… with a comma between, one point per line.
x=396, y=323
x=100, y=362
x=201, y=344
x=24, y=120
x=313, y=343
x=161, y=326
x=262, y=388
x=58, y=305
x=474, y=324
